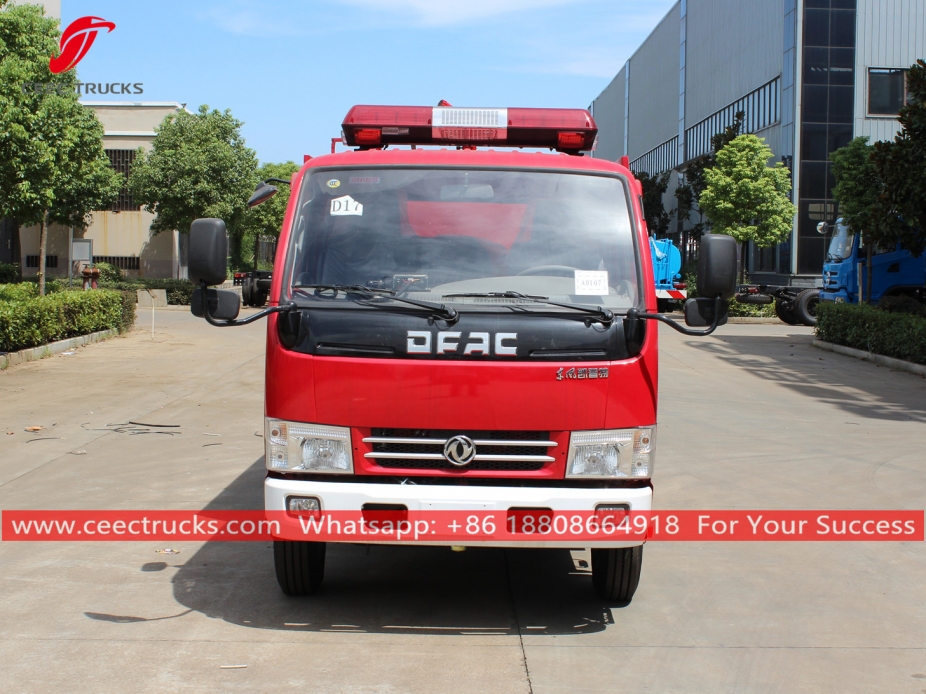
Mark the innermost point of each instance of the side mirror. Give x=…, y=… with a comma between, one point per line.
x=716, y=266
x=821, y=227
x=208, y=259
x=224, y=304
x=262, y=193
x=699, y=313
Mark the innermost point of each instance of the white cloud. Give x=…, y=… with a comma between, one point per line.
x=446, y=12
x=252, y=21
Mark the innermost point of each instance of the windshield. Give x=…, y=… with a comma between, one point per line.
x=438, y=234
x=841, y=244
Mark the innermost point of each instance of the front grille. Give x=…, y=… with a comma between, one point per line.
x=423, y=449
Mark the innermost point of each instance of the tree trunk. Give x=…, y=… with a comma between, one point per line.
x=743, y=262
x=43, y=245
x=868, y=273
x=256, y=250
x=17, y=248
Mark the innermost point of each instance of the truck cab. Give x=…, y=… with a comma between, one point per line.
x=894, y=270
x=455, y=324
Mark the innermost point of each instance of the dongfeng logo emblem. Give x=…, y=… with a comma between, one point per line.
x=460, y=450
x=76, y=40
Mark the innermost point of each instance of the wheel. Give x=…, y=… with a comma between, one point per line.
x=805, y=306
x=258, y=299
x=785, y=312
x=300, y=566
x=663, y=306
x=550, y=271
x=616, y=572
x=246, y=291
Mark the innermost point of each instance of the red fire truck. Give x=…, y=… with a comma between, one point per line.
x=457, y=323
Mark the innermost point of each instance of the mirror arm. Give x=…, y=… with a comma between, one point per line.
x=277, y=180
x=633, y=314
x=282, y=308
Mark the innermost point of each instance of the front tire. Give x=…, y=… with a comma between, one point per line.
x=805, y=306
x=616, y=572
x=300, y=566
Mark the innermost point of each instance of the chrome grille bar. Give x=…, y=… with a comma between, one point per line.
x=479, y=456
x=441, y=442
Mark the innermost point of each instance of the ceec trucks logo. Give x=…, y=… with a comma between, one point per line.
x=76, y=41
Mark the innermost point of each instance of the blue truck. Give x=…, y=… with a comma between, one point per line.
x=894, y=271
x=667, y=264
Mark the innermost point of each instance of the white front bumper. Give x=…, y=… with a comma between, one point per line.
x=349, y=496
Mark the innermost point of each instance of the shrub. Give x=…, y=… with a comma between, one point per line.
x=902, y=303
x=9, y=273
x=178, y=291
x=109, y=273
x=129, y=302
x=35, y=321
x=899, y=335
x=18, y=292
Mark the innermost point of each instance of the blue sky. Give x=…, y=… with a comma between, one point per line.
x=291, y=70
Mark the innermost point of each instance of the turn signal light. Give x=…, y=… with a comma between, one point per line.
x=368, y=136
x=570, y=140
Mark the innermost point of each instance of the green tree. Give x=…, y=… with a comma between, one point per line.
x=267, y=218
x=747, y=199
x=654, y=211
x=901, y=165
x=688, y=194
x=858, y=192
x=52, y=165
x=198, y=166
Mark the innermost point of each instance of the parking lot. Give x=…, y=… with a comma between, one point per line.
x=753, y=417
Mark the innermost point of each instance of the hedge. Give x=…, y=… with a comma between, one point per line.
x=30, y=322
x=898, y=335
x=178, y=291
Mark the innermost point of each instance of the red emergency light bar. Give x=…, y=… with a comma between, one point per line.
x=565, y=129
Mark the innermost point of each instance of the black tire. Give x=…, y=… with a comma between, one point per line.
x=785, y=313
x=663, y=306
x=246, y=291
x=805, y=306
x=616, y=572
x=259, y=299
x=300, y=566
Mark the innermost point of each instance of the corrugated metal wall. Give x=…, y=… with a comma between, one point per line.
x=891, y=33
x=654, y=88
x=608, y=110
x=734, y=46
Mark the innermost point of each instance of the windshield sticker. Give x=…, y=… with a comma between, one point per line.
x=364, y=179
x=334, y=183
x=591, y=282
x=346, y=205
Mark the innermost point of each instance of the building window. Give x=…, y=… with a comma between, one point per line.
x=887, y=91
x=51, y=261
x=123, y=262
x=121, y=160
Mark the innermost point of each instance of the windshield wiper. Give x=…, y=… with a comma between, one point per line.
x=594, y=313
x=447, y=313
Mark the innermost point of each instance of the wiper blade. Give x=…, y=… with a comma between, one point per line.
x=594, y=313
x=441, y=311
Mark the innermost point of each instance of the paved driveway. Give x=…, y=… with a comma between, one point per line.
x=752, y=418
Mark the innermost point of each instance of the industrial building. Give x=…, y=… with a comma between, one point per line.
x=809, y=74
x=121, y=234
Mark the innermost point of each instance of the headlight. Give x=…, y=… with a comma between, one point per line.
x=612, y=453
x=294, y=446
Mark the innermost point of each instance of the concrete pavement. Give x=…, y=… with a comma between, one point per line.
x=751, y=418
